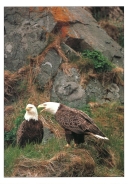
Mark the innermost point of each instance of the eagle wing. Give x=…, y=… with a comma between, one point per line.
x=20, y=132
x=29, y=131
x=76, y=121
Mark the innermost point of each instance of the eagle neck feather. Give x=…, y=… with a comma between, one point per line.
x=28, y=117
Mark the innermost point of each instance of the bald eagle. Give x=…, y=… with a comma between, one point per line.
x=31, y=129
x=75, y=122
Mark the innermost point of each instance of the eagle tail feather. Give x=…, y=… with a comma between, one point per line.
x=100, y=137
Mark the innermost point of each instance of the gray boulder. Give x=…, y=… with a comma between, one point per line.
x=28, y=33
x=67, y=90
x=48, y=68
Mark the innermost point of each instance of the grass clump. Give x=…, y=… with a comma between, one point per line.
x=10, y=136
x=110, y=121
x=92, y=158
x=87, y=110
x=42, y=151
x=100, y=62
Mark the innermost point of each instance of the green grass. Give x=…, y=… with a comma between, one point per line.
x=99, y=61
x=42, y=151
x=11, y=135
x=107, y=118
x=114, y=130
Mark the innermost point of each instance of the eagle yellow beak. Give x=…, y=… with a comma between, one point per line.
x=27, y=108
x=41, y=106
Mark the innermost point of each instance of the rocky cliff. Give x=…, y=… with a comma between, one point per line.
x=50, y=40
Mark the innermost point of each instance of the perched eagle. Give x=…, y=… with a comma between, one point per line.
x=31, y=129
x=75, y=122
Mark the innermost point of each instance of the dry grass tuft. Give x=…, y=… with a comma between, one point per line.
x=53, y=127
x=23, y=71
x=118, y=70
x=65, y=67
x=9, y=81
x=106, y=156
x=8, y=110
x=72, y=164
x=112, y=76
x=94, y=104
x=86, y=70
x=120, y=108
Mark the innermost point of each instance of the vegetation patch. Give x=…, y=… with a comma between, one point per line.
x=100, y=62
x=51, y=158
x=10, y=136
x=70, y=163
x=93, y=65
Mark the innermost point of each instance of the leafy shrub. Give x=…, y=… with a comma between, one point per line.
x=101, y=63
x=11, y=135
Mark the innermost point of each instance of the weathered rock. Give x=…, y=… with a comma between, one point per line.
x=80, y=32
x=94, y=91
x=27, y=33
x=48, y=69
x=67, y=90
x=113, y=92
x=25, y=41
x=85, y=33
x=121, y=93
x=70, y=53
x=47, y=135
x=24, y=37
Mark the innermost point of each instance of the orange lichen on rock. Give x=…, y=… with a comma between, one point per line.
x=63, y=17
x=36, y=9
x=64, y=31
x=61, y=14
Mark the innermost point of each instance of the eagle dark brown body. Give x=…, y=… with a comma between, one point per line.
x=76, y=124
x=30, y=132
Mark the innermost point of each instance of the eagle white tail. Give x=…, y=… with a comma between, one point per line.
x=100, y=137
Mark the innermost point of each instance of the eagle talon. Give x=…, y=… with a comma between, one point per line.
x=75, y=122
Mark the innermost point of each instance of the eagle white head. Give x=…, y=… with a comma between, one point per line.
x=51, y=107
x=31, y=112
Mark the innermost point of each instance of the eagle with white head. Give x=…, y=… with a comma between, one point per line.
x=31, y=129
x=75, y=122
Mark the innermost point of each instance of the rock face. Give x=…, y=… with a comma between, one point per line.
x=67, y=90
x=48, y=68
x=96, y=92
x=27, y=33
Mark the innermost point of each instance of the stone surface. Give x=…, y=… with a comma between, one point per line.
x=67, y=90
x=48, y=68
x=26, y=34
x=94, y=91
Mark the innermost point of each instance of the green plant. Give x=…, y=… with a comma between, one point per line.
x=100, y=62
x=43, y=151
x=107, y=155
x=87, y=110
x=11, y=135
x=110, y=121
